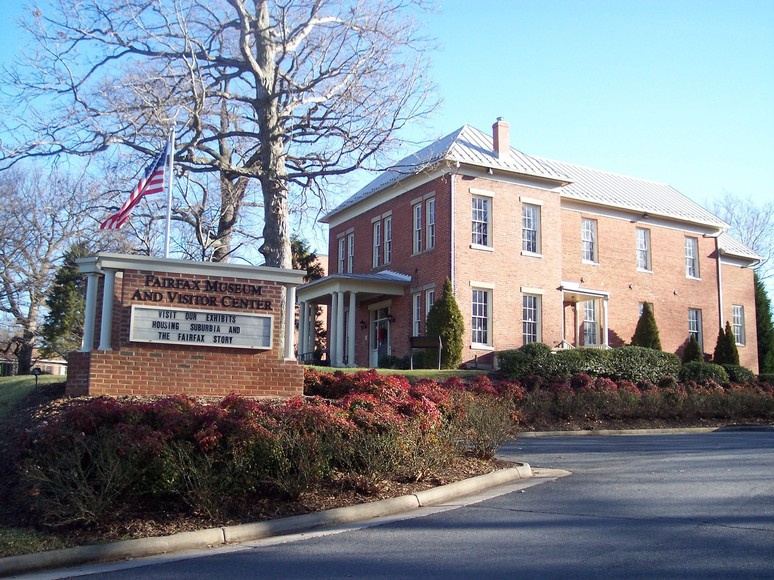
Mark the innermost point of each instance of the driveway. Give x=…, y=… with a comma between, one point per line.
x=644, y=506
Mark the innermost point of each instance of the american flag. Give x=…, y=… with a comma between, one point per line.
x=151, y=182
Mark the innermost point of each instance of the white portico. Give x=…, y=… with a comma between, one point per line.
x=342, y=293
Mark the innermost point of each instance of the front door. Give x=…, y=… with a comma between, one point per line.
x=380, y=335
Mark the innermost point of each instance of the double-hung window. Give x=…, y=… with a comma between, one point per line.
x=480, y=317
x=694, y=326
x=530, y=309
x=530, y=228
x=589, y=240
x=643, y=249
x=590, y=327
x=388, y=240
x=417, y=314
x=692, y=257
x=430, y=224
x=417, y=228
x=377, y=249
x=429, y=300
x=737, y=324
x=480, y=217
x=350, y=253
x=342, y=257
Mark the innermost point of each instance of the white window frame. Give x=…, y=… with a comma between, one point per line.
x=388, y=240
x=738, y=324
x=429, y=301
x=530, y=224
x=589, y=244
x=692, y=258
x=416, y=323
x=695, y=326
x=377, y=240
x=642, y=237
x=417, y=237
x=481, y=221
x=481, y=317
x=342, y=257
x=531, y=314
x=350, y=252
x=430, y=224
x=590, y=323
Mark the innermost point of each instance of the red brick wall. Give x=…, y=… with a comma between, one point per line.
x=506, y=266
x=140, y=368
x=739, y=288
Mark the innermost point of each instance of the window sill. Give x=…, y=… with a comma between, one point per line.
x=644, y=271
x=693, y=278
x=480, y=247
x=478, y=346
x=590, y=262
x=531, y=254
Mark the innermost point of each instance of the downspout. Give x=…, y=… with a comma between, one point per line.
x=720, y=284
x=452, y=195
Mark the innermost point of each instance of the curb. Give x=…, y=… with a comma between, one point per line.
x=200, y=539
x=670, y=431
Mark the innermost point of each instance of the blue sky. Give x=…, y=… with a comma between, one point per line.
x=678, y=91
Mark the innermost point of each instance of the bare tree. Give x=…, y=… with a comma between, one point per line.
x=283, y=94
x=40, y=217
x=751, y=224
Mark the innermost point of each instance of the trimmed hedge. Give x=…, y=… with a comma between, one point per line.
x=738, y=374
x=703, y=372
x=628, y=363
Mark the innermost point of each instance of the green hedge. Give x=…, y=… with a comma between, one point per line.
x=702, y=372
x=629, y=363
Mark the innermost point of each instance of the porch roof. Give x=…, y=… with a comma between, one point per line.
x=574, y=293
x=384, y=283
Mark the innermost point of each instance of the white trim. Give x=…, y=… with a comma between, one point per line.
x=528, y=290
x=480, y=247
x=378, y=305
x=531, y=200
x=482, y=285
x=481, y=192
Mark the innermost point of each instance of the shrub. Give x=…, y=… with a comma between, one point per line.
x=739, y=374
x=702, y=372
x=482, y=423
x=725, y=349
x=766, y=378
x=646, y=333
x=692, y=351
x=445, y=320
x=635, y=363
x=531, y=359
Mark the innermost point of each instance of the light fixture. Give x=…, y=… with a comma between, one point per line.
x=363, y=325
x=391, y=318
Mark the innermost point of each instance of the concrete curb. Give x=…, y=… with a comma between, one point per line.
x=142, y=547
x=671, y=431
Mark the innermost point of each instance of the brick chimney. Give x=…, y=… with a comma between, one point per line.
x=501, y=135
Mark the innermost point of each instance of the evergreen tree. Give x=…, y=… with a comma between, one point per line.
x=764, y=327
x=62, y=330
x=692, y=351
x=726, y=352
x=646, y=333
x=445, y=320
x=305, y=259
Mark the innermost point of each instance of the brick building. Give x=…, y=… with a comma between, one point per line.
x=537, y=250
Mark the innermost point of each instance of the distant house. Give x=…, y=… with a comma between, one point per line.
x=536, y=249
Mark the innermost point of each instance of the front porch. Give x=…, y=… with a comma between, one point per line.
x=344, y=295
x=587, y=310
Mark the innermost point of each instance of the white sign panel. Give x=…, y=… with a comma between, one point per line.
x=200, y=327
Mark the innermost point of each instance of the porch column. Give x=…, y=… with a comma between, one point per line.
x=302, y=323
x=290, y=320
x=332, y=329
x=339, y=329
x=106, y=325
x=604, y=321
x=90, y=318
x=351, y=329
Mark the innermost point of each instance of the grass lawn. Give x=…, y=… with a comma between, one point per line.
x=14, y=389
x=412, y=375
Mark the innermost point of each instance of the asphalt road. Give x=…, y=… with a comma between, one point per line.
x=654, y=506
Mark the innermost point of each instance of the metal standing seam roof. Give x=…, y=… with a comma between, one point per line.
x=733, y=247
x=466, y=145
x=621, y=191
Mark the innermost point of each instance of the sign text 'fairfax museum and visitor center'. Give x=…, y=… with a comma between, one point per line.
x=164, y=326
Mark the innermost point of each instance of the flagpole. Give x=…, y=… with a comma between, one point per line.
x=169, y=190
